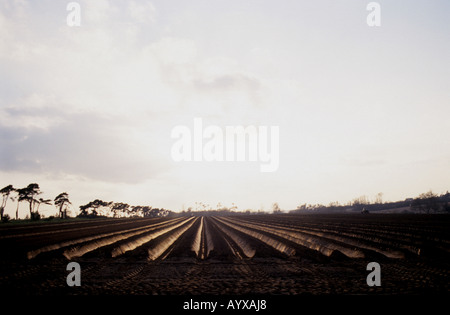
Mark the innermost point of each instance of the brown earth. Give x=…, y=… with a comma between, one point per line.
x=236, y=255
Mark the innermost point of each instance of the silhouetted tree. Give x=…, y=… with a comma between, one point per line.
x=360, y=202
x=93, y=206
x=5, y=191
x=426, y=202
x=146, y=211
x=18, y=201
x=83, y=210
x=136, y=211
x=29, y=194
x=379, y=198
x=118, y=207
x=60, y=201
x=276, y=208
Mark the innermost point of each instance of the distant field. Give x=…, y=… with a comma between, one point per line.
x=245, y=254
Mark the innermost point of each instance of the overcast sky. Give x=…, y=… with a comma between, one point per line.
x=90, y=109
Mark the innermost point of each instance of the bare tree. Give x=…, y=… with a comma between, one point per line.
x=379, y=198
x=276, y=208
x=359, y=203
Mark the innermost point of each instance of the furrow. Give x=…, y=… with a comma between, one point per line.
x=279, y=246
x=33, y=253
x=77, y=229
x=196, y=246
x=248, y=251
x=346, y=240
x=321, y=245
x=169, y=238
x=209, y=239
x=79, y=251
x=133, y=244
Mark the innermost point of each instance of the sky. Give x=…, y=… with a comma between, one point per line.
x=90, y=109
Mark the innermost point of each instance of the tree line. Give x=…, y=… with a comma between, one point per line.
x=428, y=202
x=98, y=208
x=30, y=194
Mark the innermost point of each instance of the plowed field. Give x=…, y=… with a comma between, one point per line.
x=251, y=254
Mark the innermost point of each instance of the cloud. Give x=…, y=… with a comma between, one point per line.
x=90, y=145
x=99, y=11
x=93, y=101
x=230, y=81
x=142, y=11
x=98, y=102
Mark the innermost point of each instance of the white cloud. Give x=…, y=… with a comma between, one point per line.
x=142, y=11
x=98, y=101
x=175, y=51
x=98, y=11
